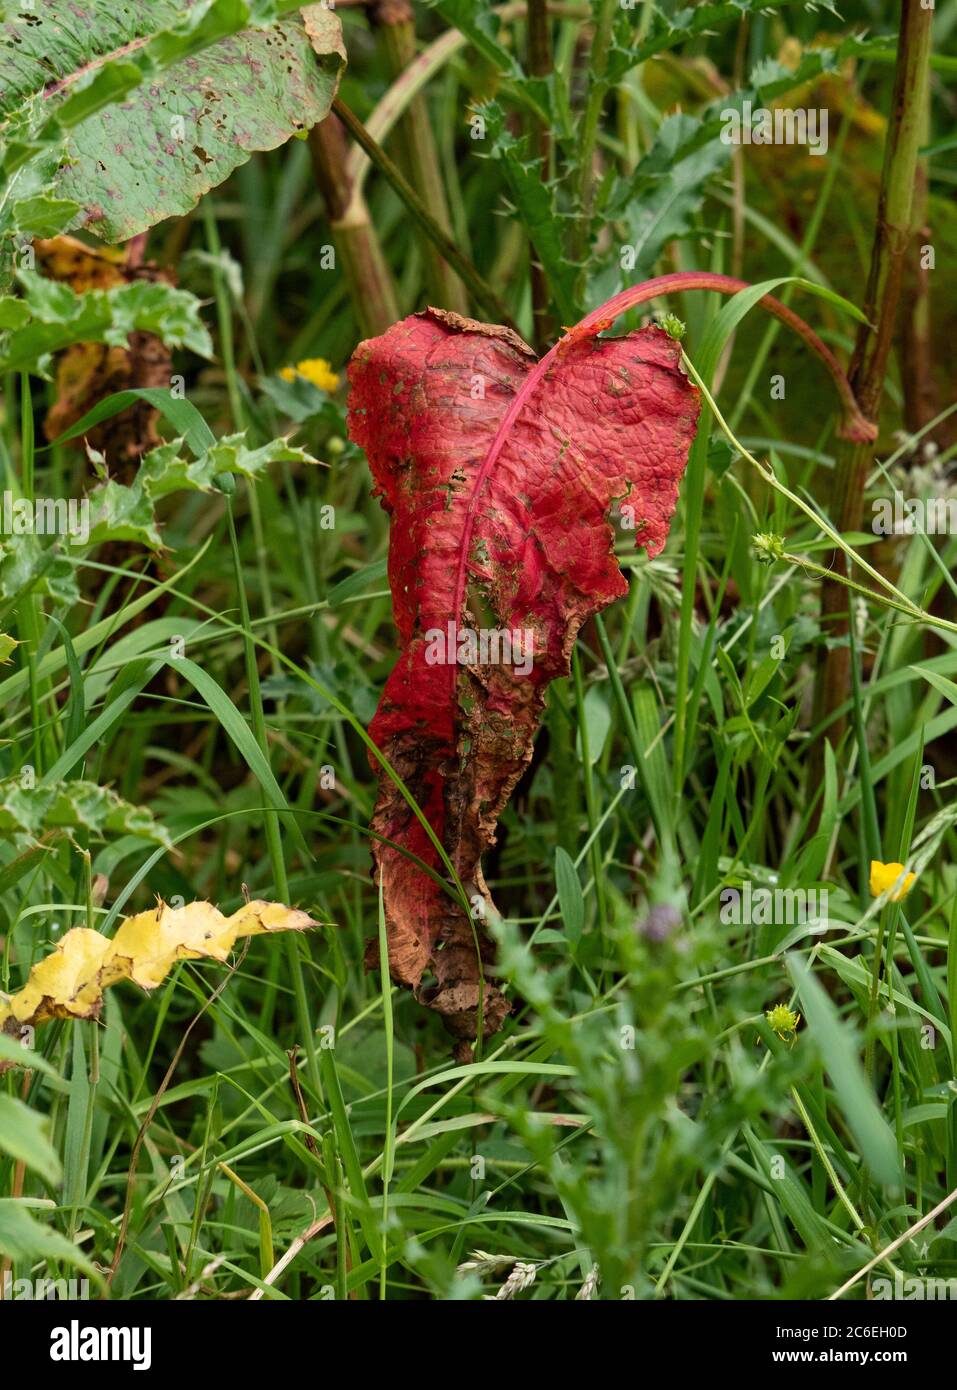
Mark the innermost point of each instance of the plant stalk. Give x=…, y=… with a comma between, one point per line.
x=394, y=24
x=357, y=245
x=869, y=362
x=540, y=65
x=915, y=351
x=594, y=102
x=463, y=267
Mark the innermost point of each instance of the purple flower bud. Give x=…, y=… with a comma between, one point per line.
x=661, y=922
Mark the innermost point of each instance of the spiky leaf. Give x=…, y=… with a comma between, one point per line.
x=74, y=805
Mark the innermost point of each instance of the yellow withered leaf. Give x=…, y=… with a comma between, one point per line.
x=69, y=983
x=65, y=984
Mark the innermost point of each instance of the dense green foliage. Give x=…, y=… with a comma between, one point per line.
x=181, y=710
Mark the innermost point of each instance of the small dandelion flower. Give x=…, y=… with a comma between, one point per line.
x=314, y=369
x=885, y=876
x=783, y=1021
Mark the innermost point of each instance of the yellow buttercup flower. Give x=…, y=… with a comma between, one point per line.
x=884, y=876
x=314, y=369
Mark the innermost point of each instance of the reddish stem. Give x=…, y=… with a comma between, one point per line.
x=853, y=425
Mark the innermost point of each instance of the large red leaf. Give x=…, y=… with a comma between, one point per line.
x=499, y=512
x=498, y=473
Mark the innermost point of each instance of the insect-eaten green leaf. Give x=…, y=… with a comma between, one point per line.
x=172, y=132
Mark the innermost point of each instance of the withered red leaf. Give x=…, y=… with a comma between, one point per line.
x=500, y=523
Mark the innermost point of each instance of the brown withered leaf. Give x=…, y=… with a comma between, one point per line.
x=88, y=372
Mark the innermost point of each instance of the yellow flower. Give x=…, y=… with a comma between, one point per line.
x=884, y=876
x=314, y=369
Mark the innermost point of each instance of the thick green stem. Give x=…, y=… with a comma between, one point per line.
x=357, y=245
x=915, y=350
x=394, y=23
x=597, y=90
x=540, y=65
x=464, y=268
